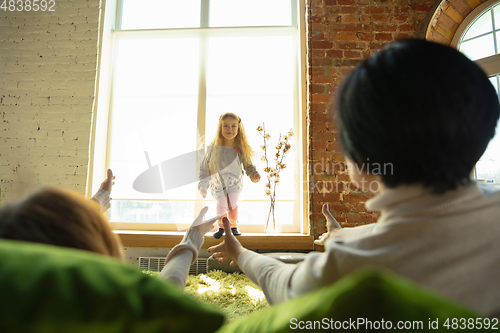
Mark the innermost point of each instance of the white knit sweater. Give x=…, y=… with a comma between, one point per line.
x=449, y=243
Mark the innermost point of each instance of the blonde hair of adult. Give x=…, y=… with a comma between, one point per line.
x=247, y=153
x=62, y=218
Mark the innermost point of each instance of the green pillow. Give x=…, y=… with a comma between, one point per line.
x=366, y=296
x=45, y=288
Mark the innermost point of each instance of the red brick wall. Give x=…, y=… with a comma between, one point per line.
x=341, y=33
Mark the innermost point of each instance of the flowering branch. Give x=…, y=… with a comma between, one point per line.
x=273, y=173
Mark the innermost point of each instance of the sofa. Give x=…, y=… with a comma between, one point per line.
x=45, y=288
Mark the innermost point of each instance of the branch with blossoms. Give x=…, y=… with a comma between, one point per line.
x=273, y=172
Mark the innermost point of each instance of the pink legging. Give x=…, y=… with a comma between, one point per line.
x=232, y=215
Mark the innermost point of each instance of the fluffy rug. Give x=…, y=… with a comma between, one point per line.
x=233, y=293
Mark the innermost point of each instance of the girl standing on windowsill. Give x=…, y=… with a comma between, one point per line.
x=221, y=169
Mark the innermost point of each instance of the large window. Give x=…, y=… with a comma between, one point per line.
x=169, y=69
x=479, y=39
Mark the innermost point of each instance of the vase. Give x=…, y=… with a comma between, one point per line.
x=271, y=221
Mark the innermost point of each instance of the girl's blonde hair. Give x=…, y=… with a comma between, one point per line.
x=62, y=218
x=247, y=153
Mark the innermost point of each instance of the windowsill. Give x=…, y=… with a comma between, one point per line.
x=168, y=239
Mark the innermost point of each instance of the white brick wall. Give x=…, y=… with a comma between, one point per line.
x=48, y=69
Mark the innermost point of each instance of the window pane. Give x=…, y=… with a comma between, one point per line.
x=478, y=48
x=153, y=126
x=496, y=17
x=237, y=13
x=155, y=100
x=156, y=67
x=480, y=26
x=493, y=80
x=488, y=167
x=255, y=213
x=262, y=67
x=151, y=211
x=497, y=36
x=160, y=14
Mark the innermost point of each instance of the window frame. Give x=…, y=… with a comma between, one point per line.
x=101, y=121
x=490, y=65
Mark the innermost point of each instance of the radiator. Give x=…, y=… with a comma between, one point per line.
x=156, y=264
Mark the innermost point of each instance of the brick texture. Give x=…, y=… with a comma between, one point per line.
x=48, y=62
x=342, y=33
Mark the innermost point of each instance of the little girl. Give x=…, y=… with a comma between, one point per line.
x=221, y=169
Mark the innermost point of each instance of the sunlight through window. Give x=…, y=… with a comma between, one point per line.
x=481, y=40
x=176, y=66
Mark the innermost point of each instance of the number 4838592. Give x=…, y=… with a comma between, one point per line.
x=28, y=5
x=471, y=323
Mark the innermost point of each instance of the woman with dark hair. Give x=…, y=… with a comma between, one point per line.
x=428, y=112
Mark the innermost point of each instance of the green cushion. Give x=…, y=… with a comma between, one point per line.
x=370, y=295
x=45, y=288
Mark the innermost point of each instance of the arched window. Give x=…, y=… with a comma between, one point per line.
x=478, y=37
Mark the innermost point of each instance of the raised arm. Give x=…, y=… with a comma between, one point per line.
x=185, y=253
x=279, y=281
x=102, y=195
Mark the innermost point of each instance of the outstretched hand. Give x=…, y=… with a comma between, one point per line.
x=230, y=249
x=331, y=226
x=108, y=183
x=204, y=226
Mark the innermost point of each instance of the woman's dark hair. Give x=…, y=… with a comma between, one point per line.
x=422, y=110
